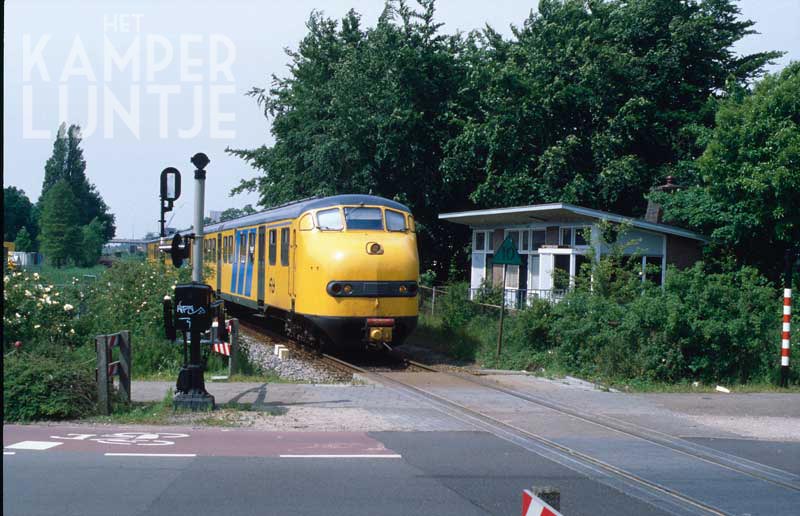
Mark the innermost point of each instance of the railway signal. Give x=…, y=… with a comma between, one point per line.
x=194, y=305
x=170, y=191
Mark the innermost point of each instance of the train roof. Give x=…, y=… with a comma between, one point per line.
x=295, y=209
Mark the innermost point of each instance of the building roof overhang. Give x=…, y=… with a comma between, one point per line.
x=557, y=212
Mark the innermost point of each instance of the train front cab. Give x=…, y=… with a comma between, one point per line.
x=359, y=273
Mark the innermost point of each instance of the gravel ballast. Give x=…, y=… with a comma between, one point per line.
x=262, y=355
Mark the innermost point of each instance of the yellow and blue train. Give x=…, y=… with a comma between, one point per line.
x=340, y=271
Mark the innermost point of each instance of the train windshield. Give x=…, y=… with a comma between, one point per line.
x=330, y=220
x=395, y=221
x=363, y=218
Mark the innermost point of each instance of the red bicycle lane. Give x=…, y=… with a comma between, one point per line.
x=209, y=442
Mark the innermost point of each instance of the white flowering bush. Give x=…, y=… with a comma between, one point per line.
x=35, y=311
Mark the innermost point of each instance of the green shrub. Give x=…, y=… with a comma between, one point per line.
x=35, y=310
x=46, y=386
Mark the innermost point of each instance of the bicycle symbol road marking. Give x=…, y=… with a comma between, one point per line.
x=126, y=438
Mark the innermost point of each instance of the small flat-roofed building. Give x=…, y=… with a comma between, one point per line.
x=557, y=237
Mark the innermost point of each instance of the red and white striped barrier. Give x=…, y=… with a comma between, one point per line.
x=221, y=347
x=532, y=505
x=786, y=328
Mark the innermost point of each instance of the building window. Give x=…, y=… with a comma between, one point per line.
x=480, y=241
x=583, y=235
x=538, y=239
x=566, y=236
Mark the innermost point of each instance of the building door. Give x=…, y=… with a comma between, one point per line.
x=262, y=269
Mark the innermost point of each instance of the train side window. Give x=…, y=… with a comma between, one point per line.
x=242, y=247
x=395, y=221
x=231, y=249
x=306, y=222
x=284, y=246
x=273, y=245
x=330, y=220
x=251, y=248
x=411, y=225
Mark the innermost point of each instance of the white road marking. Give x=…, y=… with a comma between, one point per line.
x=9, y=453
x=373, y=456
x=33, y=445
x=151, y=455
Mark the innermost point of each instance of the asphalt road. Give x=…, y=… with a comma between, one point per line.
x=400, y=473
x=244, y=472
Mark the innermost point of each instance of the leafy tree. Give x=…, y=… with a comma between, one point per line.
x=67, y=163
x=60, y=236
x=92, y=243
x=24, y=242
x=748, y=179
x=235, y=213
x=365, y=111
x=18, y=213
x=590, y=102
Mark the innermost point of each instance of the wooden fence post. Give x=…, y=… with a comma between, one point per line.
x=103, y=394
x=125, y=365
x=233, y=361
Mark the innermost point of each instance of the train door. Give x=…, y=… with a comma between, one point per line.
x=282, y=277
x=293, y=263
x=272, y=257
x=219, y=261
x=262, y=233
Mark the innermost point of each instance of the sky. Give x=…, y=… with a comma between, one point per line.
x=152, y=83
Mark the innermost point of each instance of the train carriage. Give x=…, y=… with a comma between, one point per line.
x=339, y=270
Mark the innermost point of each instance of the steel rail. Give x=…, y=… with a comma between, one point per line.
x=648, y=491
x=740, y=465
x=629, y=483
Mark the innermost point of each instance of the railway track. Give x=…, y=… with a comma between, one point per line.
x=654, y=492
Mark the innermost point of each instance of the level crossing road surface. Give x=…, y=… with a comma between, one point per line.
x=440, y=464
x=219, y=471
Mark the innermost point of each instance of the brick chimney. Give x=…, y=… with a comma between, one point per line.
x=655, y=212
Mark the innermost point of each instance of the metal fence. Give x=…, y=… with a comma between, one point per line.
x=431, y=298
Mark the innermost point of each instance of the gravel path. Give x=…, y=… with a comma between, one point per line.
x=261, y=353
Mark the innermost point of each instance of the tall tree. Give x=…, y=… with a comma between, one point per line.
x=23, y=243
x=60, y=237
x=67, y=163
x=17, y=214
x=92, y=242
x=747, y=190
x=365, y=111
x=590, y=102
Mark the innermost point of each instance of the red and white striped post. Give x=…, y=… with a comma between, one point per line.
x=786, y=330
x=786, y=325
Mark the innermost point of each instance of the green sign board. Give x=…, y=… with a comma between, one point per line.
x=507, y=253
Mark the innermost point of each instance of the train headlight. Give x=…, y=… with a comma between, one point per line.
x=374, y=248
x=403, y=289
x=336, y=288
x=347, y=289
